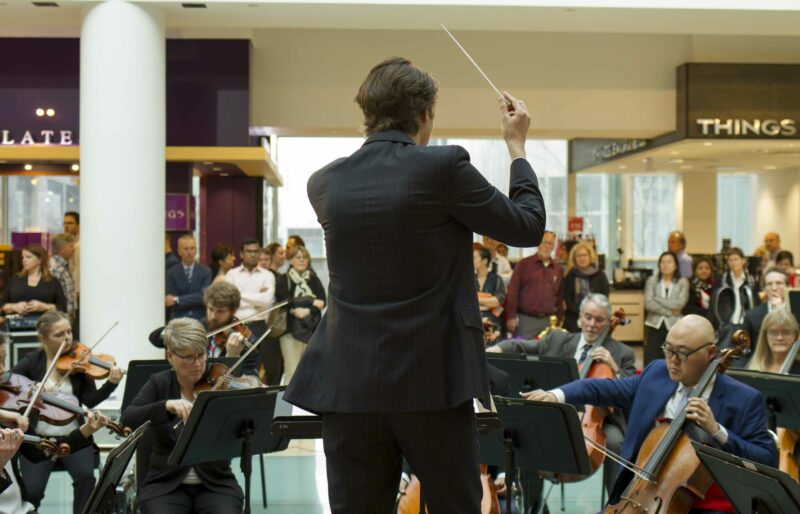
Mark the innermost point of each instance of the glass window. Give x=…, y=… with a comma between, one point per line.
x=653, y=214
x=597, y=202
x=38, y=203
x=735, y=218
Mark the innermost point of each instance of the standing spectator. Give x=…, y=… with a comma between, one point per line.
x=701, y=290
x=307, y=299
x=72, y=226
x=62, y=247
x=187, y=282
x=170, y=258
x=223, y=259
x=500, y=263
x=775, y=282
x=584, y=277
x=772, y=245
x=665, y=296
x=33, y=290
x=277, y=256
x=491, y=290
x=264, y=259
x=257, y=287
x=535, y=292
x=502, y=250
x=294, y=240
x=785, y=261
x=737, y=292
x=677, y=245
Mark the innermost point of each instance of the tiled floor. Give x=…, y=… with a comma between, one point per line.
x=296, y=484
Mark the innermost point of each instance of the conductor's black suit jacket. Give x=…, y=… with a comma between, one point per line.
x=402, y=331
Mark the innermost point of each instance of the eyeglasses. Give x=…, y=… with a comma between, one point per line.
x=684, y=356
x=780, y=333
x=191, y=359
x=597, y=319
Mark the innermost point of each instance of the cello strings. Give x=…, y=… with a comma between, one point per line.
x=633, y=468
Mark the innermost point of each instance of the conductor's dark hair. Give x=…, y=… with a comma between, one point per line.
x=394, y=96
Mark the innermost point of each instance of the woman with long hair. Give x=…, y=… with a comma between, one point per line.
x=223, y=258
x=778, y=333
x=583, y=278
x=701, y=289
x=33, y=290
x=665, y=296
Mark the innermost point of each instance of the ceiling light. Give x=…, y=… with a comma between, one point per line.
x=34, y=181
x=39, y=112
x=71, y=200
x=644, y=160
x=208, y=163
x=47, y=199
x=216, y=168
x=708, y=143
x=75, y=167
x=223, y=174
x=29, y=167
x=623, y=167
x=686, y=167
x=673, y=152
x=675, y=161
x=51, y=112
x=770, y=167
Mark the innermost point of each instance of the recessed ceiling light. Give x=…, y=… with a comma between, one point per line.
x=29, y=167
x=50, y=112
x=770, y=167
x=686, y=166
x=71, y=200
x=208, y=163
x=39, y=112
x=75, y=167
x=623, y=167
x=708, y=143
x=216, y=168
x=675, y=161
x=673, y=152
x=34, y=181
x=223, y=174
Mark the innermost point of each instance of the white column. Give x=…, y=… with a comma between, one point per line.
x=122, y=138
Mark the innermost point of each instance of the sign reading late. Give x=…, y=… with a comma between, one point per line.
x=42, y=137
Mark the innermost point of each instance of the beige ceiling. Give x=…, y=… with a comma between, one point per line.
x=723, y=156
x=19, y=17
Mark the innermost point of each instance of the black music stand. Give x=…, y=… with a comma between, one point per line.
x=237, y=425
x=752, y=488
x=529, y=372
x=541, y=436
x=103, y=498
x=780, y=391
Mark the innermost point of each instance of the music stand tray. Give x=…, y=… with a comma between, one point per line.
x=752, y=488
x=530, y=372
x=781, y=393
x=103, y=498
x=228, y=424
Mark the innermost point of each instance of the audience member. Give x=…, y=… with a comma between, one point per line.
x=785, y=261
x=264, y=259
x=33, y=290
x=187, y=282
x=736, y=293
x=778, y=332
x=307, y=299
x=583, y=278
x=294, y=240
x=270, y=350
x=491, y=290
x=772, y=245
x=72, y=226
x=257, y=287
x=277, y=256
x=62, y=247
x=774, y=282
x=665, y=296
x=701, y=290
x=502, y=250
x=223, y=259
x=677, y=245
x=500, y=263
x=535, y=291
x=170, y=258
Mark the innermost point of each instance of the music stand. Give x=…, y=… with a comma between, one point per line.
x=103, y=498
x=752, y=488
x=237, y=425
x=529, y=372
x=541, y=436
x=780, y=391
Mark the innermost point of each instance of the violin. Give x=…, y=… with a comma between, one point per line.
x=408, y=501
x=671, y=478
x=217, y=377
x=594, y=417
x=787, y=438
x=79, y=359
x=220, y=338
x=47, y=446
x=56, y=408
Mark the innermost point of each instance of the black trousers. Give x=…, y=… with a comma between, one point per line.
x=189, y=499
x=363, y=453
x=79, y=465
x=655, y=338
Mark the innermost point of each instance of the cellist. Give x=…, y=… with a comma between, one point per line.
x=732, y=413
x=591, y=344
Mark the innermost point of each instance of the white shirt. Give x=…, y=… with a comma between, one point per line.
x=257, y=288
x=503, y=268
x=46, y=429
x=11, y=499
x=579, y=349
x=738, y=312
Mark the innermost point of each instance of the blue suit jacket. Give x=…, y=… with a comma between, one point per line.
x=736, y=406
x=190, y=294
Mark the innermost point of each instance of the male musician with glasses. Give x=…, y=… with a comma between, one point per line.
x=395, y=363
x=733, y=414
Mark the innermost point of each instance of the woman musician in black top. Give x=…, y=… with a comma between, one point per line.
x=164, y=400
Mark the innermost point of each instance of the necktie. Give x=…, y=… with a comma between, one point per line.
x=584, y=353
x=684, y=399
x=188, y=271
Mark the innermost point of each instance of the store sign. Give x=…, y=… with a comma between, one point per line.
x=741, y=127
x=617, y=148
x=178, y=212
x=42, y=137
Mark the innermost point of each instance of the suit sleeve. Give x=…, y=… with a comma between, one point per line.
x=147, y=406
x=521, y=346
x=751, y=440
x=517, y=219
x=603, y=392
x=628, y=365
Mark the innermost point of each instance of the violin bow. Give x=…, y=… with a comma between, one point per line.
x=247, y=319
x=69, y=371
x=630, y=466
x=40, y=388
x=227, y=375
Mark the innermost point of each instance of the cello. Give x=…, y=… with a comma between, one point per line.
x=594, y=417
x=787, y=438
x=671, y=478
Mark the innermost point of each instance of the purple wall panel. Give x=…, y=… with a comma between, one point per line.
x=232, y=210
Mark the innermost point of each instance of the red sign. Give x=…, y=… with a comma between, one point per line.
x=575, y=224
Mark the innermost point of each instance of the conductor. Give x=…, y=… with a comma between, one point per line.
x=398, y=357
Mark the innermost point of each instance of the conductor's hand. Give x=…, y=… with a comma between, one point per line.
x=540, y=395
x=516, y=122
x=180, y=408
